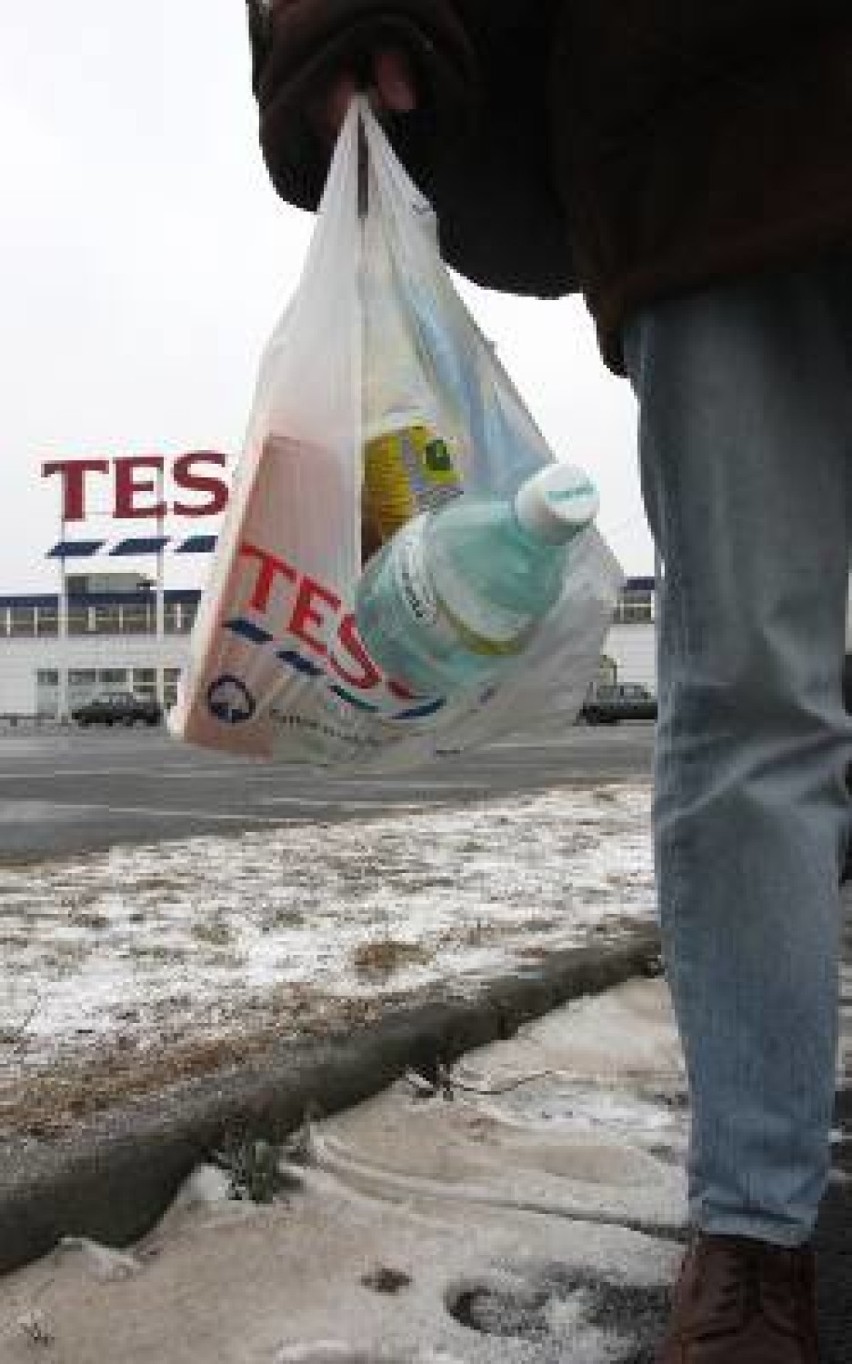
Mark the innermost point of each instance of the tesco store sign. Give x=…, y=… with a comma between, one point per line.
x=135, y=486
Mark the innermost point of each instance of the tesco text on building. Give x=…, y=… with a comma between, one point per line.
x=135, y=489
x=136, y=484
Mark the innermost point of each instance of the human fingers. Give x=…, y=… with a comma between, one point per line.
x=394, y=81
x=329, y=111
x=391, y=90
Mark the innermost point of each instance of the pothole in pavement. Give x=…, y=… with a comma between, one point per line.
x=496, y=1309
x=552, y=1303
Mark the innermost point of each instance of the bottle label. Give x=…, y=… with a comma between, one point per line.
x=411, y=580
x=406, y=471
x=460, y=615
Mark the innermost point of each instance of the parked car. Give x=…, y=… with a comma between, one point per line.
x=607, y=704
x=118, y=708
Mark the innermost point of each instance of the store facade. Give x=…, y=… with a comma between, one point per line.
x=121, y=635
x=113, y=642
x=134, y=536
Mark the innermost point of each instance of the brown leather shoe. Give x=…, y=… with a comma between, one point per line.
x=740, y=1301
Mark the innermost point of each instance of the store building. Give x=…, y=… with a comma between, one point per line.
x=119, y=633
x=112, y=641
x=126, y=565
x=630, y=644
x=118, y=620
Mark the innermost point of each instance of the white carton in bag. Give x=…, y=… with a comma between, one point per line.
x=276, y=667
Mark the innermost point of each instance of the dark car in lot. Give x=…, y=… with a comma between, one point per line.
x=607, y=704
x=118, y=708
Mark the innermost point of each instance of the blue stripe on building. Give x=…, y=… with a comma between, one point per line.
x=197, y=544
x=76, y=549
x=140, y=544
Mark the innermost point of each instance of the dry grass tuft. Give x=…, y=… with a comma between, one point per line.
x=215, y=932
x=58, y=1096
x=383, y=956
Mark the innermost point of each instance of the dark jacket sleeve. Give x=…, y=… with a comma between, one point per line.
x=478, y=143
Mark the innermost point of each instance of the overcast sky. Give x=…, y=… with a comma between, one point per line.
x=144, y=259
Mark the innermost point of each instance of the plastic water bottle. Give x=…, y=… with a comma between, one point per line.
x=459, y=592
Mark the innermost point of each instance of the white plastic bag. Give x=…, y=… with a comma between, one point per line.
x=276, y=667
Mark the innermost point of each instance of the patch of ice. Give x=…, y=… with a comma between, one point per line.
x=207, y=1187
x=102, y=1262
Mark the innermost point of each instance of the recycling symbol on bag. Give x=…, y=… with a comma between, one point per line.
x=230, y=700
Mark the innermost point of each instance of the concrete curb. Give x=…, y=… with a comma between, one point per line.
x=113, y=1179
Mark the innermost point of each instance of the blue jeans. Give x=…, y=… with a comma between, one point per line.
x=745, y=395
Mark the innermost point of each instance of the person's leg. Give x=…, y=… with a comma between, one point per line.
x=745, y=397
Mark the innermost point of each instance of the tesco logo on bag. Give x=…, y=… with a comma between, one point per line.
x=304, y=625
x=136, y=485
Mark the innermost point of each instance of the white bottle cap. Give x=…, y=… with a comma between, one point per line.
x=557, y=502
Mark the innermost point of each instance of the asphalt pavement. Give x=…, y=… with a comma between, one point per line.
x=66, y=791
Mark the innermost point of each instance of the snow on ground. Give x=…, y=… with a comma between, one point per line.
x=139, y=950
x=533, y=1219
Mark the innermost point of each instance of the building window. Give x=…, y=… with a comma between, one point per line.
x=81, y=685
x=179, y=617
x=47, y=620
x=22, y=621
x=136, y=620
x=78, y=620
x=635, y=607
x=107, y=620
x=47, y=677
x=112, y=679
x=170, y=685
x=145, y=682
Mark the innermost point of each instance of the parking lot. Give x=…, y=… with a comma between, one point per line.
x=68, y=791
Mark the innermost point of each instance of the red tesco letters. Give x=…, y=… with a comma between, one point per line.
x=138, y=484
x=127, y=486
x=311, y=612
